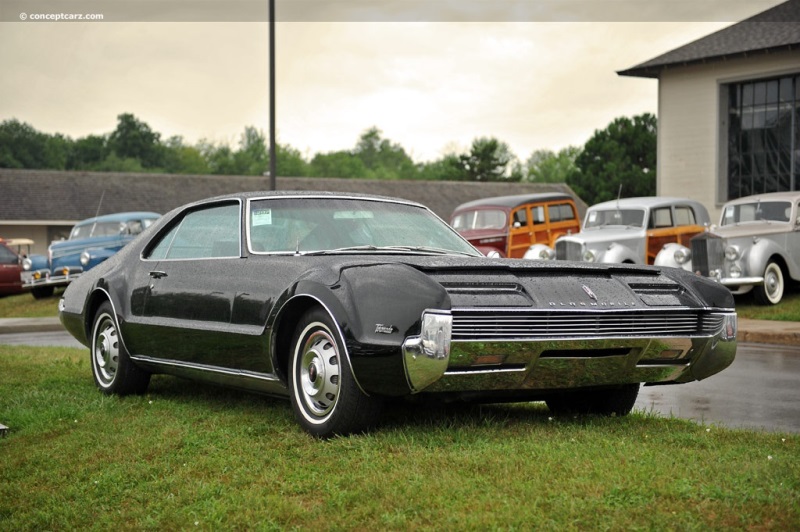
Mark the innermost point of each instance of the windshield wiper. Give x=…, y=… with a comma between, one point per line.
x=370, y=247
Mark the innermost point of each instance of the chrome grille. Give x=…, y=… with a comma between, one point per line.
x=707, y=253
x=568, y=250
x=480, y=324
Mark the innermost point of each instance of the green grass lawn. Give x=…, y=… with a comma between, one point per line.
x=190, y=456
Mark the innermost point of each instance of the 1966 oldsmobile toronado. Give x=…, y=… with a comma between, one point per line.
x=340, y=301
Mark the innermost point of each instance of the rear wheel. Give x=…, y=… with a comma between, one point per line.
x=771, y=292
x=617, y=401
x=113, y=370
x=325, y=397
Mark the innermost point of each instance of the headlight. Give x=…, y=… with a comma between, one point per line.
x=85, y=258
x=682, y=255
x=547, y=254
x=732, y=253
x=736, y=272
x=588, y=256
x=27, y=264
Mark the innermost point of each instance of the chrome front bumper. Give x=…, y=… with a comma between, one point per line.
x=46, y=278
x=566, y=363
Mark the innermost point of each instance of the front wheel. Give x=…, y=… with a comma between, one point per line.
x=771, y=292
x=617, y=401
x=113, y=370
x=325, y=396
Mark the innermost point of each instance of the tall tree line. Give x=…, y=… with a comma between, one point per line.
x=623, y=153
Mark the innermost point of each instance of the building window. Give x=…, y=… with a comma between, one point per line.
x=763, y=136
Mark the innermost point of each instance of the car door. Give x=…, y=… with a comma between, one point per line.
x=10, y=282
x=668, y=224
x=185, y=289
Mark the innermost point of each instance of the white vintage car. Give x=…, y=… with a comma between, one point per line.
x=756, y=245
x=629, y=230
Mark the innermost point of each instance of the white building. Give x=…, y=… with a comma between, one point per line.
x=729, y=110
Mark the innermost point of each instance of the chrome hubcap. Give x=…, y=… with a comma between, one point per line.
x=319, y=373
x=106, y=352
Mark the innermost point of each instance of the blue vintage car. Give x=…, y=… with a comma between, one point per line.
x=90, y=242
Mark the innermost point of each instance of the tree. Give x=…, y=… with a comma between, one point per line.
x=290, y=162
x=133, y=139
x=87, y=152
x=22, y=146
x=622, y=154
x=488, y=160
x=383, y=158
x=337, y=164
x=546, y=166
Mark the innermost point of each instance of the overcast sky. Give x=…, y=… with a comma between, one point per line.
x=432, y=86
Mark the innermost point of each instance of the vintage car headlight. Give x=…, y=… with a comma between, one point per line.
x=732, y=253
x=494, y=255
x=682, y=255
x=85, y=258
x=588, y=256
x=27, y=264
x=736, y=271
x=547, y=254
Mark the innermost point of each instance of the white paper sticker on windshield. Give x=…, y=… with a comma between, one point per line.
x=592, y=217
x=262, y=217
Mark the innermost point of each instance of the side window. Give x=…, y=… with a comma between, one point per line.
x=559, y=213
x=684, y=216
x=537, y=214
x=208, y=233
x=7, y=256
x=520, y=217
x=661, y=218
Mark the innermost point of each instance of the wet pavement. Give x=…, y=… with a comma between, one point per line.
x=760, y=390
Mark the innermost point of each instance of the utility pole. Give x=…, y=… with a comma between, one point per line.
x=272, y=157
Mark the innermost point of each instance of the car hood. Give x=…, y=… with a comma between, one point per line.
x=752, y=229
x=555, y=285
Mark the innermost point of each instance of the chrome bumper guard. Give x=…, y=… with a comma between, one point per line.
x=46, y=278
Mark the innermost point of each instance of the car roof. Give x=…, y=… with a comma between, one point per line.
x=648, y=202
x=771, y=196
x=509, y=202
x=120, y=217
x=304, y=194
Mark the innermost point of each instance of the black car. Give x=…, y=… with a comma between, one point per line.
x=339, y=301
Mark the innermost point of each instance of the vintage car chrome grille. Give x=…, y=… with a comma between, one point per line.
x=568, y=250
x=707, y=253
x=481, y=324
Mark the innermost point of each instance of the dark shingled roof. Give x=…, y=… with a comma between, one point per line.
x=774, y=30
x=44, y=195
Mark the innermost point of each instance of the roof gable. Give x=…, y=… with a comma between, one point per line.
x=774, y=30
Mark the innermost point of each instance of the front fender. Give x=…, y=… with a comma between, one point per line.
x=540, y=252
x=666, y=257
x=618, y=253
x=96, y=256
x=375, y=307
x=759, y=255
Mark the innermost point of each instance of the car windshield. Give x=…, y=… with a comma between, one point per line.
x=479, y=219
x=349, y=225
x=757, y=211
x=95, y=229
x=629, y=217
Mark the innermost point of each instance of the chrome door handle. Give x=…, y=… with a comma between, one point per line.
x=158, y=274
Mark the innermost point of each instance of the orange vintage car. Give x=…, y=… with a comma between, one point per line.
x=510, y=225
